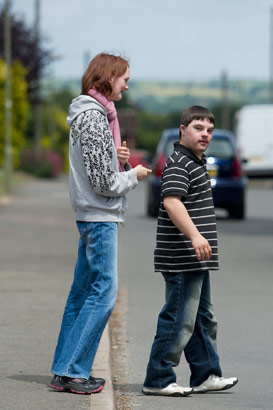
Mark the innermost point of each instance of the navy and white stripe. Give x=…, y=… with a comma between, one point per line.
x=185, y=175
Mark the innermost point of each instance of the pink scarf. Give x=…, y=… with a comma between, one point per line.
x=111, y=115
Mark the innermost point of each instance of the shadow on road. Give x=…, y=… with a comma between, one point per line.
x=31, y=378
x=253, y=226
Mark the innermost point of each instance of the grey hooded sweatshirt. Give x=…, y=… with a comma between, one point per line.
x=97, y=188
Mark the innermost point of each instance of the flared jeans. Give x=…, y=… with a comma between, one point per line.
x=186, y=323
x=90, y=302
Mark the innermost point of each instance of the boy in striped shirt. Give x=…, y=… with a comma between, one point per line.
x=186, y=251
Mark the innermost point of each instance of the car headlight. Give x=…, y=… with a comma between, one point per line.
x=213, y=182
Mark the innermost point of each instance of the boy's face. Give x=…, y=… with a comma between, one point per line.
x=197, y=136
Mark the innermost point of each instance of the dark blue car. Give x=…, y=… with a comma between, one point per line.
x=223, y=164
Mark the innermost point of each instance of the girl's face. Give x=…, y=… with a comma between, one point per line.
x=119, y=85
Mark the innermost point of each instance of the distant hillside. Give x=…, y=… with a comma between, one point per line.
x=166, y=97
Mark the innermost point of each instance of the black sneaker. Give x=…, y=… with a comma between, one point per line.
x=77, y=385
x=97, y=380
x=58, y=383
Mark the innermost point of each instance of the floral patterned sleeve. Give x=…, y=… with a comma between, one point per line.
x=91, y=129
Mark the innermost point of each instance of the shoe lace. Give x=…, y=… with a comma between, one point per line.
x=215, y=378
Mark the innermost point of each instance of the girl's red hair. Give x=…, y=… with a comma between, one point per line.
x=101, y=69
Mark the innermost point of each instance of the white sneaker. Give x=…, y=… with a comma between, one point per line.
x=215, y=383
x=171, y=390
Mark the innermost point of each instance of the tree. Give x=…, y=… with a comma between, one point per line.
x=56, y=131
x=23, y=43
x=19, y=109
x=217, y=111
x=151, y=126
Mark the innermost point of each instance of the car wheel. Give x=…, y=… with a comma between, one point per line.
x=237, y=212
x=152, y=209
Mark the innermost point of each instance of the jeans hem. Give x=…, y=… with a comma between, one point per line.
x=65, y=374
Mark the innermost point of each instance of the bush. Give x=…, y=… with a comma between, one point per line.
x=47, y=164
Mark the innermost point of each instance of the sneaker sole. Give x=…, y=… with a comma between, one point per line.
x=177, y=394
x=61, y=388
x=87, y=392
x=228, y=386
x=70, y=389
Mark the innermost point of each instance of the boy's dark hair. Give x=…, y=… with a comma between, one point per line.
x=196, y=112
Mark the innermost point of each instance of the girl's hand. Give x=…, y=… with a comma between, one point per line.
x=142, y=172
x=123, y=153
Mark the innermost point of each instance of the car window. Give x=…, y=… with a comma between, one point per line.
x=221, y=148
x=169, y=146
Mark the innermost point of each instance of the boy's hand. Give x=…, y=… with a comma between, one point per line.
x=123, y=153
x=202, y=248
x=142, y=172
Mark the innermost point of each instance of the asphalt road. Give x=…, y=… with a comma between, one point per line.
x=38, y=246
x=243, y=299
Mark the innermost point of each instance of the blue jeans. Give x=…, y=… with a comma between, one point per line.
x=90, y=302
x=186, y=323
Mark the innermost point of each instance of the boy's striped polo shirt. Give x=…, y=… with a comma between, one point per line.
x=185, y=175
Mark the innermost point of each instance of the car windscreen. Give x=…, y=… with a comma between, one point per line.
x=220, y=148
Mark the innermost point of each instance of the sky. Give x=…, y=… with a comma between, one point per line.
x=169, y=40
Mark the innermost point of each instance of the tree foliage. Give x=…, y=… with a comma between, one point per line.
x=150, y=127
x=232, y=109
x=20, y=108
x=23, y=46
x=56, y=131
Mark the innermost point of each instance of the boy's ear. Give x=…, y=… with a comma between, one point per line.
x=182, y=129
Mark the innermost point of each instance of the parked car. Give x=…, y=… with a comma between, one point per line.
x=223, y=164
x=139, y=157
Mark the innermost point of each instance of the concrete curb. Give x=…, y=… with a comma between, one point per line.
x=102, y=368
